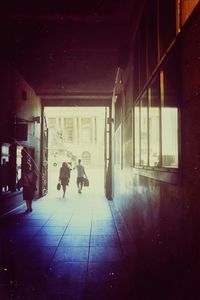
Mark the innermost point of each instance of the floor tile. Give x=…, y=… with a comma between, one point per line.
x=71, y=254
x=52, y=230
x=104, y=241
x=65, y=250
x=107, y=291
x=75, y=240
x=39, y=253
x=25, y=230
x=46, y=240
x=104, y=230
x=53, y=222
x=106, y=272
x=32, y=222
x=105, y=254
x=76, y=230
x=68, y=272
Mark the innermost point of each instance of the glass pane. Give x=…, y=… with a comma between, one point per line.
x=86, y=130
x=170, y=81
x=170, y=137
x=154, y=125
x=4, y=169
x=108, y=143
x=18, y=162
x=144, y=131
x=152, y=35
x=118, y=111
x=167, y=10
x=137, y=135
x=85, y=135
x=118, y=146
x=187, y=7
x=136, y=68
x=142, y=53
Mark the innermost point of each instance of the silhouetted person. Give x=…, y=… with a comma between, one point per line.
x=80, y=175
x=64, y=176
x=28, y=182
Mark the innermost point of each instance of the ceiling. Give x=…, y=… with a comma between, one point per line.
x=66, y=47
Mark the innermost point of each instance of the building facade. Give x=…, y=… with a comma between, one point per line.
x=75, y=133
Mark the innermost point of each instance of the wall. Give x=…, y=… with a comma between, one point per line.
x=6, y=95
x=190, y=136
x=161, y=209
x=18, y=102
x=27, y=106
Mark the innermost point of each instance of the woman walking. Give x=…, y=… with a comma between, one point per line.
x=28, y=182
x=64, y=176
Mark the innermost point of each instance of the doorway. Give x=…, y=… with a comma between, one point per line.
x=78, y=133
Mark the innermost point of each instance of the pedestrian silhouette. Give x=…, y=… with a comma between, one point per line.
x=80, y=175
x=28, y=182
x=64, y=176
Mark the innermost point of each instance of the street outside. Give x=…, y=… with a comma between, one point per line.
x=95, y=176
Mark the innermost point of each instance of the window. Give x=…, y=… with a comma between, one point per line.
x=51, y=122
x=152, y=36
x=167, y=24
x=169, y=137
x=156, y=119
x=169, y=83
x=18, y=162
x=118, y=111
x=144, y=130
x=154, y=124
x=127, y=141
x=142, y=52
x=118, y=147
x=86, y=130
x=69, y=130
x=135, y=69
x=4, y=168
x=187, y=6
x=86, y=158
x=137, y=133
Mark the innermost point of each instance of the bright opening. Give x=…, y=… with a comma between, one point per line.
x=76, y=133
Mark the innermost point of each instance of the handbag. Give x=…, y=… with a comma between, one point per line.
x=19, y=184
x=58, y=186
x=86, y=182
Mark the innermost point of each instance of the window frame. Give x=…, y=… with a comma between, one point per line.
x=138, y=163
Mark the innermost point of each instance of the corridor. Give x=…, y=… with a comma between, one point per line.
x=72, y=248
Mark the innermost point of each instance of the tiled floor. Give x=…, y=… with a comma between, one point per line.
x=73, y=248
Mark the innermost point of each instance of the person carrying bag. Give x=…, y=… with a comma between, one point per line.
x=28, y=182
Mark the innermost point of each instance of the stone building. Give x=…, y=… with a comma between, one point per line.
x=75, y=133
